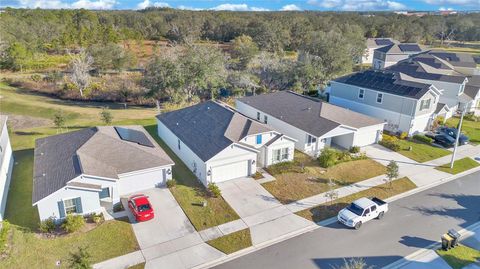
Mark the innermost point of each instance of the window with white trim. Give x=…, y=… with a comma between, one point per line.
x=265, y=119
x=361, y=93
x=311, y=140
x=425, y=104
x=285, y=154
x=379, y=98
x=70, y=206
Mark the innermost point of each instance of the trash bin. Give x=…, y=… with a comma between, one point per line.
x=455, y=236
x=446, y=241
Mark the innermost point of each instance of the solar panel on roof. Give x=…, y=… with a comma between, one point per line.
x=385, y=42
x=134, y=136
x=409, y=47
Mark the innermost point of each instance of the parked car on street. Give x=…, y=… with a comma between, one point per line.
x=140, y=207
x=361, y=211
x=444, y=140
x=452, y=132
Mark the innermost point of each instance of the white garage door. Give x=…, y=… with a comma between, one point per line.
x=230, y=171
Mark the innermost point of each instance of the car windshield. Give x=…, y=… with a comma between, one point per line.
x=355, y=209
x=142, y=208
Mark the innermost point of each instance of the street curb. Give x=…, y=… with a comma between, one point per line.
x=465, y=233
x=252, y=249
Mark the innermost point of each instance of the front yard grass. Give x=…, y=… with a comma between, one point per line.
x=190, y=193
x=29, y=250
x=383, y=191
x=232, y=242
x=459, y=166
x=459, y=256
x=293, y=186
x=421, y=152
x=470, y=128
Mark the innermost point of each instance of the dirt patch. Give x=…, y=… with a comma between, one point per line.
x=18, y=122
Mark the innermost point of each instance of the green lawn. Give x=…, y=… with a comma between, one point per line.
x=28, y=250
x=469, y=128
x=383, y=191
x=421, y=152
x=460, y=256
x=292, y=186
x=232, y=242
x=138, y=266
x=189, y=193
x=459, y=166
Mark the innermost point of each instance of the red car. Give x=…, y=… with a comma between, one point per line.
x=140, y=207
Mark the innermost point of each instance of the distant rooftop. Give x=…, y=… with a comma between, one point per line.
x=414, y=69
x=386, y=81
x=456, y=58
x=380, y=42
x=407, y=48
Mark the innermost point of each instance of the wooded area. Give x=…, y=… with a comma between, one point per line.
x=183, y=56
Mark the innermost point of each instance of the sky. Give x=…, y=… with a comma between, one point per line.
x=252, y=5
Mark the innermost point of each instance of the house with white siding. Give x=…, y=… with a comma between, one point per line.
x=386, y=56
x=6, y=164
x=372, y=45
x=217, y=143
x=404, y=105
x=314, y=124
x=89, y=170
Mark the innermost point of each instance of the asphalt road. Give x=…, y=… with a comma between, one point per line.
x=412, y=223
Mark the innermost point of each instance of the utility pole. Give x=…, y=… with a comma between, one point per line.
x=457, y=138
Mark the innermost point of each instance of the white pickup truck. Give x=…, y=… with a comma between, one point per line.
x=361, y=211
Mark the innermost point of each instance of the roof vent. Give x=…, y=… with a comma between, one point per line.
x=309, y=108
x=44, y=174
x=177, y=123
x=41, y=153
x=208, y=108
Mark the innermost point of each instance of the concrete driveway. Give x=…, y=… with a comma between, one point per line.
x=169, y=223
x=266, y=217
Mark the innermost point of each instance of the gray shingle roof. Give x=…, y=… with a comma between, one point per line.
x=380, y=42
x=386, y=81
x=406, y=48
x=415, y=70
x=456, y=59
x=471, y=91
x=308, y=114
x=208, y=128
x=97, y=151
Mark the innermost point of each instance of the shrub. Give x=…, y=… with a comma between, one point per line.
x=118, y=207
x=36, y=77
x=171, y=183
x=355, y=149
x=47, y=226
x=328, y=157
x=422, y=138
x=393, y=145
x=97, y=218
x=403, y=135
x=4, y=235
x=284, y=167
x=214, y=190
x=80, y=259
x=257, y=175
x=389, y=138
x=471, y=117
x=73, y=223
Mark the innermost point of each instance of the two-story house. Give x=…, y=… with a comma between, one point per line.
x=463, y=63
x=404, y=105
x=372, y=45
x=389, y=55
x=218, y=143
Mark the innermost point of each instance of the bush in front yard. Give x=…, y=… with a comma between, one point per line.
x=73, y=223
x=214, y=190
x=80, y=259
x=390, y=145
x=422, y=138
x=47, y=226
x=403, y=135
x=97, y=218
x=355, y=149
x=328, y=157
x=171, y=183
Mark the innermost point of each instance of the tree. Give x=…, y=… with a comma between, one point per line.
x=243, y=51
x=81, y=64
x=354, y=263
x=392, y=172
x=80, y=259
x=110, y=56
x=331, y=194
x=14, y=57
x=106, y=116
x=59, y=120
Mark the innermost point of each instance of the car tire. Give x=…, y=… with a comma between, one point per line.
x=380, y=215
x=358, y=225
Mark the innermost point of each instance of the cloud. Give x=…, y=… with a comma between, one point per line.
x=58, y=4
x=445, y=9
x=454, y=2
x=238, y=7
x=358, y=5
x=290, y=7
x=147, y=3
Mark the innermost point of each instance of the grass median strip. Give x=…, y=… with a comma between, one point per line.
x=459, y=166
x=459, y=256
x=232, y=242
x=383, y=191
x=420, y=152
x=292, y=186
x=190, y=193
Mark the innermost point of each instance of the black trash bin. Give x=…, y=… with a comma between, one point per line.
x=446, y=241
x=455, y=236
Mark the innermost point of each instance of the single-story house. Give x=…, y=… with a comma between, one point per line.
x=6, y=164
x=313, y=123
x=89, y=170
x=217, y=143
x=405, y=106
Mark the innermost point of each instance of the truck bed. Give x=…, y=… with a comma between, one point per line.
x=378, y=201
